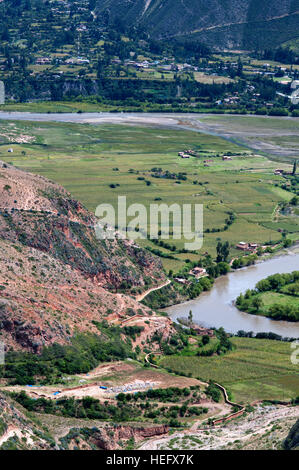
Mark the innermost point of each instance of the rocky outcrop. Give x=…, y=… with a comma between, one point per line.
x=113, y=437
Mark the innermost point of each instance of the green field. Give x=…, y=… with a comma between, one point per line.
x=270, y=298
x=86, y=159
x=256, y=370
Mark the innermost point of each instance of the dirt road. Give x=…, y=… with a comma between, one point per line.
x=140, y=297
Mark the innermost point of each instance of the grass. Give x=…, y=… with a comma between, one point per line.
x=270, y=298
x=83, y=158
x=210, y=79
x=255, y=370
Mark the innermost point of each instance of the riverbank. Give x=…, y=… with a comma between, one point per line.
x=215, y=308
x=274, y=136
x=274, y=297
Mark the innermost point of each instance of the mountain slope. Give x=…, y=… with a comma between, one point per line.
x=224, y=24
x=292, y=440
x=56, y=278
x=18, y=432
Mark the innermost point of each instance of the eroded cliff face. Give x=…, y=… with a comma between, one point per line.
x=56, y=278
x=111, y=437
x=222, y=24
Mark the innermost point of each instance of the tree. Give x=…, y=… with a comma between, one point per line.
x=205, y=340
x=222, y=252
x=190, y=318
x=257, y=303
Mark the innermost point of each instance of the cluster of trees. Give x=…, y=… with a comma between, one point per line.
x=222, y=250
x=244, y=261
x=214, y=392
x=87, y=407
x=171, y=394
x=277, y=281
x=263, y=335
x=284, y=55
x=284, y=312
x=84, y=353
x=287, y=284
x=128, y=408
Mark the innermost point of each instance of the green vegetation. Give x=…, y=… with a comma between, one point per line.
x=84, y=353
x=275, y=297
x=238, y=196
x=164, y=395
x=213, y=391
x=143, y=406
x=76, y=59
x=258, y=369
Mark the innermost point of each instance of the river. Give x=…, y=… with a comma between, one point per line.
x=215, y=308
x=235, y=129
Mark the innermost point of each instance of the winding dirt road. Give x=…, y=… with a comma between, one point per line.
x=140, y=297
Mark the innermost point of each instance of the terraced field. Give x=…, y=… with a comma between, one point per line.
x=256, y=370
x=88, y=159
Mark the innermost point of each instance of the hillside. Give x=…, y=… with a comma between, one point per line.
x=18, y=432
x=231, y=24
x=56, y=277
x=292, y=440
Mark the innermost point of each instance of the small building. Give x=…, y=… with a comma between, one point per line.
x=242, y=246
x=198, y=272
x=200, y=331
x=181, y=280
x=226, y=157
x=278, y=171
x=247, y=246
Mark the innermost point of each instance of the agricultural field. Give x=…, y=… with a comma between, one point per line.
x=210, y=79
x=270, y=298
x=256, y=370
x=96, y=163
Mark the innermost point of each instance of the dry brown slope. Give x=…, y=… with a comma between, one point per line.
x=55, y=278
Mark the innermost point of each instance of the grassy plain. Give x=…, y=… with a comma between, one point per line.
x=86, y=159
x=256, y=370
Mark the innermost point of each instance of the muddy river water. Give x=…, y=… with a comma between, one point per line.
x=215, y=308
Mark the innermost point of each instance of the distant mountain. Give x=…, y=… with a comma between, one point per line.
x=242, y=24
